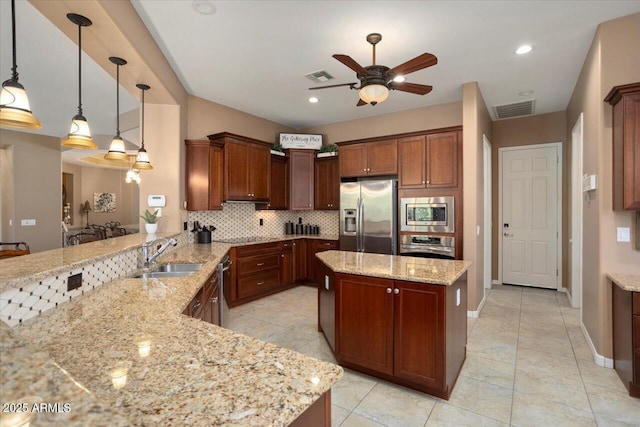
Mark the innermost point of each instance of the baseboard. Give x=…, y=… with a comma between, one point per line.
x=495, y=282
x=476, y=314
x=598, y=359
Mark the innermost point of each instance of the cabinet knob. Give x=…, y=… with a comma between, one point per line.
x=396, y=291
x=424, y=182
x=260, y=264
x=282, y=256
x=260, y=283
x=388, y=290
x=214, y=300
x=427, y=181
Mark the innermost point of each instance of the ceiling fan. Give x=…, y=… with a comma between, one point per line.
x=377, y=80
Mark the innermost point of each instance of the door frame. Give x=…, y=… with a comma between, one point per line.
x=577, y=138
x=558, y=147
x=488, y=229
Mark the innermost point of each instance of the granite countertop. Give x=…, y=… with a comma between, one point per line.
x=194, y=373
x=626, y=282
x=412, y=269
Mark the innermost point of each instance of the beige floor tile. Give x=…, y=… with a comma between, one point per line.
x=482, y=398
x=338, y=414
x=532, y=410
x=355, y=420
x=392, y=405
x=544, y=364
x=581, y=349
x=319, y=349
x=445, y=415
x=291, y=338
x=498, y=346
x=547, y=343
x=594, y=374
x=561, y=390
x=349, y=391
x=614, y=406
x=488, y=370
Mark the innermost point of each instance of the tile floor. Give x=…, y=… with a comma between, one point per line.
x=528, y=364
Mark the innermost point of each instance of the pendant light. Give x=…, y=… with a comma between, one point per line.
x=15, y=111
x=116, y=148
x=142, y=161
x=79, y=134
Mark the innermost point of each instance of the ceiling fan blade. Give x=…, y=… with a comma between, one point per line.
x=360, y=103
x=327, y=87
x=413, y=88
x=351, y=63
x=418, y=63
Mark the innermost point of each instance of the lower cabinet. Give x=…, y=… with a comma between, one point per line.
x=626, y=338
x=409, y=333
x=300, y=259
x=315, y=246
x=206, y=304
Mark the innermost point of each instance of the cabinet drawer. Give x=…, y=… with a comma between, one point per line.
x=261, y=248
x=636, y=303
x=636, y=333
x=636, y=368
x=250, y=265
x=257, y=283
x=325, y=245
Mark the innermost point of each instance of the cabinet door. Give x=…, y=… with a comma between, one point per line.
x=279, y=183
x=419, y=333
x=327, y=304
x=364, y=325
x=442, y=160
x=411, y=169
x=197, y=175
x=259, y=170
x=237, y=165
x=301, y=164
x=353, y=160
x=214, y=303
x=327, y=184
x=216, y=177
x=382, y=157
x=299, y=260
x=286, y=267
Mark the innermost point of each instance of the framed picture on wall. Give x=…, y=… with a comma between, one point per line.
x=104, y=202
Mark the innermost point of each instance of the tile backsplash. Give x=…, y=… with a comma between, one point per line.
x=243, y=220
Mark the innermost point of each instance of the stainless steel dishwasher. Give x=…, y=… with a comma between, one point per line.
x=224, y=274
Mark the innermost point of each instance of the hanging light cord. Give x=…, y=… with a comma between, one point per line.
x=80, y=70
x=118, y=100
x=142, y=131
x=13, y=34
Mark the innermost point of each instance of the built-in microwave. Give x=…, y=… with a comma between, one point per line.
x=427, y=214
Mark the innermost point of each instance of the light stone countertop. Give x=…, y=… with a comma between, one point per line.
x=195, y=373
x=626, y=282
x=412, y=269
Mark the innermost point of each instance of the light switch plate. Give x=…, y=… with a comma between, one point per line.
x=624, y=234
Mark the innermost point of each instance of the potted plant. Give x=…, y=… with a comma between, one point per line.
x=151, y=221
x=328, y=150
x=277, y=149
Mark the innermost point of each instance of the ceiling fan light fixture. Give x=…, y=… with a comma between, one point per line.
x=313, y=100
x=373, y=94
x=524, y=49
x=399, y=79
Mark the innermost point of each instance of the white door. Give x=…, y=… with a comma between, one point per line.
x=530, y=216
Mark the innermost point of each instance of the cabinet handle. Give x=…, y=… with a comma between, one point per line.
x=196, y=305
x=260, y=283
x=388, y=290
x=214, y=300
x=260, y=264
x=396, y=291
x=424, y=182
x=364, y=170
x=427, y=181
x=282, y=256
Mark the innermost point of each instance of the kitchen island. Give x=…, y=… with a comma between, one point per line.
x=402, y=319
x=124, y=354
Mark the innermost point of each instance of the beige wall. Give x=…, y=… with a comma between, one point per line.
x=437, y=116
x=37, y=190
x=613, y=59
x=77, y=217
x=539, y=129
x=476, y=122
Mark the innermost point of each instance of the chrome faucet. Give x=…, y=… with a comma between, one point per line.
x=148, y=260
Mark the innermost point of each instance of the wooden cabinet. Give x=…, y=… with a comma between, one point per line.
x=286, y=263
x=301, y=163
x=247, y=167
x=326, y=282
x=299, y=259
x=625, y=100
x=429, y=161
x=626, y=338
x=204, y=175
x=369, y=159
x=315, y=246
x=279, y=182
x=205, y=305
x=327, y=183
x=409, y=333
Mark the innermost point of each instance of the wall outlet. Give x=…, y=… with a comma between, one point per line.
x=624, y=234
x=261, y=221
x=74, y=282
x=185, y=225
x=27, y=222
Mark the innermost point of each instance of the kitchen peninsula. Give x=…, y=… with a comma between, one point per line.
x=402, y=319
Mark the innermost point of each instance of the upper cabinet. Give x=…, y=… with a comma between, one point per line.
x=429, y=161
x=247, y=167
x=301, y=164
x=625, y=100
x=327, y=191
x=279, y=181
x=369, y=158
x=204, y=167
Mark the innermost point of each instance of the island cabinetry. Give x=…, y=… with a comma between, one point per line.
x=204, y=175
x=625, y=100
x=626, y=338
x=327, y=304
x=429, y=161
x=327, y=183
x=301, y=163
x=369, y=158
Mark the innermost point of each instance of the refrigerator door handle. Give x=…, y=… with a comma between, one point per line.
x=362, y=225
x=358, y=230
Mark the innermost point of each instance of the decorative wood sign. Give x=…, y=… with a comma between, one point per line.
x=301, y=140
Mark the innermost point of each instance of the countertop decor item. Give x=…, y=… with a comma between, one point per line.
x=79, y=134
x=327, y=151
x=116, y=148
x=151, y=220
x=15, y=111
x=142, y=160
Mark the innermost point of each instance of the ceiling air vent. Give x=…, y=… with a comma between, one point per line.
x=319, y=76
x=516, y=109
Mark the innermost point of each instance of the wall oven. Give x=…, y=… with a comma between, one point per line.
x=427, y=214
x=426, y=246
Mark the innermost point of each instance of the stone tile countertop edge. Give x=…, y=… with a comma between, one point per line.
x=626, y=282
x=195, y=373
x=412, y=269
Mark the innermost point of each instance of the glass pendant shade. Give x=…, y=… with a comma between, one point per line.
x=142, y=161
x=372, y=94
x=15, y=111
x=79, y=134
x=116, y=149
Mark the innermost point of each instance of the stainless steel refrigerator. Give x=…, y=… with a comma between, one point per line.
x=368, y=216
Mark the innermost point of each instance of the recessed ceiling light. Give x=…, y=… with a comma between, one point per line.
x=313, y=100
x=203, y=7
x=525, y=93
x=398, y=79
x=525, y=48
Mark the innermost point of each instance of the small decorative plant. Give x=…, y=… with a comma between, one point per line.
x=330, y=148
x=277, y=147
x=150, y=218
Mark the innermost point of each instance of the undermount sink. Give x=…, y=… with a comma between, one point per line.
x=170, y=270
